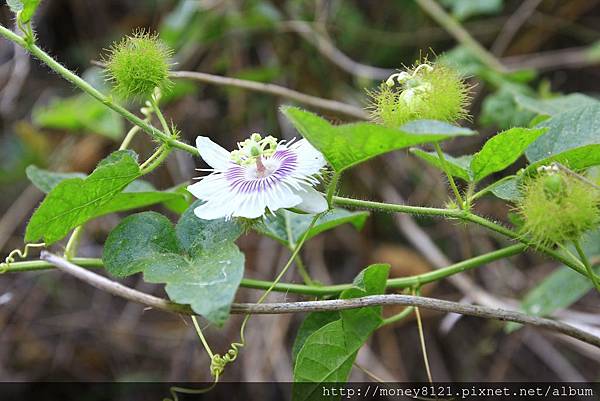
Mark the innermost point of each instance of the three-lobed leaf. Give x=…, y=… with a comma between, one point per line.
x=347, y=145
x=76, y=200
x=326, y=353
x=499, y=152
x=567, y=131
x=285, y=223
x=502, y=150
x=556, y=105
x=197, y=260
x=137, y=194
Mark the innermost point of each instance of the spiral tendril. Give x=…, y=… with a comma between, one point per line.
x=18, y=253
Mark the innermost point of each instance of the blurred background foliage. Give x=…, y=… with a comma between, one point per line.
x=56, y=328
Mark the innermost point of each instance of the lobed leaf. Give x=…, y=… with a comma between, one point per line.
x=502, y=150
x=327, y=353
x=76, y=200
x=197, y=260
x=568, y=130
x=576, y=158
x=556, y=105
x=136, y=195
x=347, y=145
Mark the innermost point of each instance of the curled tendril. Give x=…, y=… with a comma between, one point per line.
x=218, y=362
x=21, y=254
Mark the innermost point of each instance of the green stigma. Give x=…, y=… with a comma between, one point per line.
x=254, y=148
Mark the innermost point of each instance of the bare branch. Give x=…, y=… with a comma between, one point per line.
x=120, y=290
x=512, y=26
x=276, y=90
x=328, y=49
x=114, y=288
x=455, y=29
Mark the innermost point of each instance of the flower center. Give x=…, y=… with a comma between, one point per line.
x=252, y=150
x=412, y=85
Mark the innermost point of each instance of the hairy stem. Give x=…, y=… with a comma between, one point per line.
x=464, y=215
x=440, y=154
x=129, y=137
x=155, y=159
x=93, y=92
x=313, y=290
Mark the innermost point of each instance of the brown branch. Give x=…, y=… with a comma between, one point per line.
x=459, y=33
x=328, y=49
x=276, y=90
x=576, y=57
x=130, y=294
x=512, y=26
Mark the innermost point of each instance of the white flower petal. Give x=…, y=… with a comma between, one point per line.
x=310, y=160
x=312, y=201
x=214, y=155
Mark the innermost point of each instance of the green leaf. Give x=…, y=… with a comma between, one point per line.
x=457, y=166
x=29, y=7
x=46, y=180
x=197, y=260
x=195, y=234
x=576, y=158
x=137, y=241
x=506, y=188
x=347, y=145
x=313, y=322
x=502, y=150
x=571, y=129
x=26, y=8
x=501, y=110
x=15, y=5
x=136, y=195
x=328, y=353
x=284, y=221
x=79, y=113
x=76, y=200
x=556, y=105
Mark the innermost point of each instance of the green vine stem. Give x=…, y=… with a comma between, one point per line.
x=440, y=154
x=155, y=159
x=398, y=317
x=320, y=291
x=96, y=94
x=464, y=215
x=587, y=264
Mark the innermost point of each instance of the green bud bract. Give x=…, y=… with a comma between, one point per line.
x=137, y=65
x=426, y=91
x=557, y=208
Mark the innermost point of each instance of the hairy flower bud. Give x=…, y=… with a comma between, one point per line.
x=557, y=207
x=137, y=65
x=426, y=91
